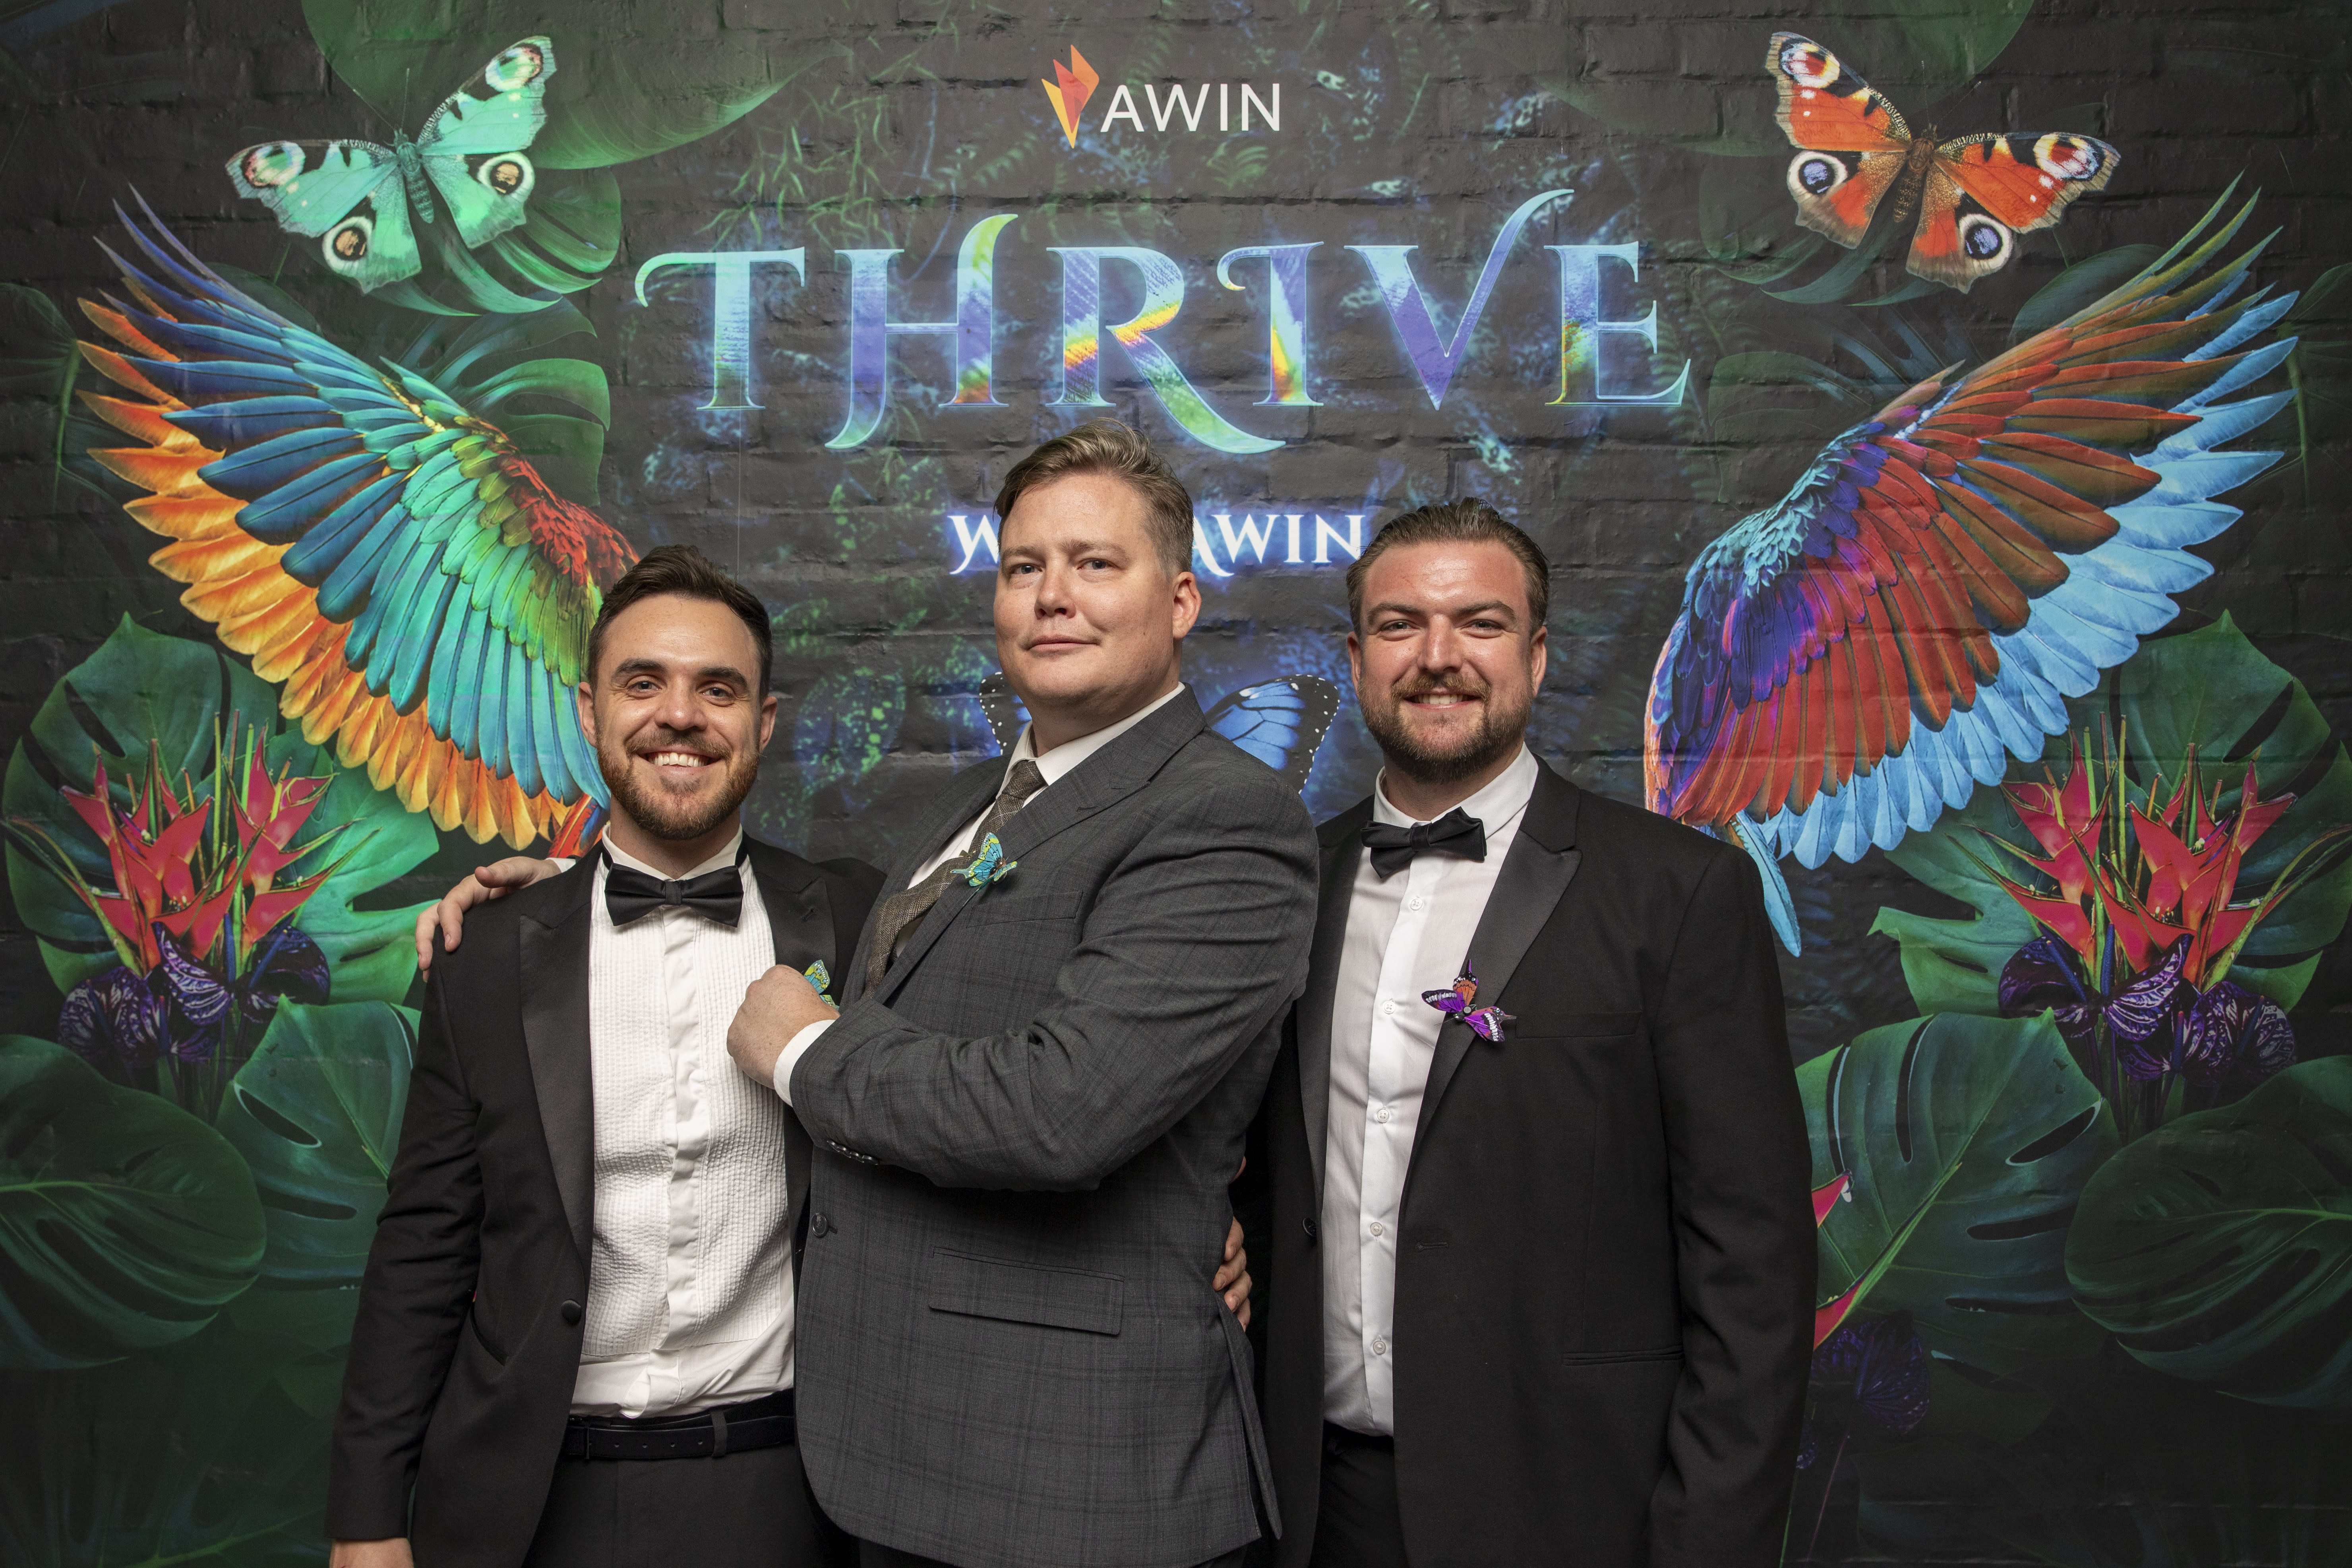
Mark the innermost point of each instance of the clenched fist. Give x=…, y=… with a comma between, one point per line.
x=780, y=1004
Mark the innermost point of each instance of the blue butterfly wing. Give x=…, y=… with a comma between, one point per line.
x=1281, y=723
x=1003, y=711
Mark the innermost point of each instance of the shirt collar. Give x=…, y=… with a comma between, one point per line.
x=1506, y=795
x=724, y=857
x=1057, y=764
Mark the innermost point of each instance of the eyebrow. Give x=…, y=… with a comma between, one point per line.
x=630, y=667
x=1075, y=547
x=1457, y=613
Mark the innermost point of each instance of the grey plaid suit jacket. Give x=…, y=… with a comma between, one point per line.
x=1009, y=1351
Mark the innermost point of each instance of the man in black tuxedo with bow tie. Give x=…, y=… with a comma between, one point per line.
x=574, y=1341
x=1542, y=1258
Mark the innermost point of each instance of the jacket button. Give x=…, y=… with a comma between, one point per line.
x=1309, y=1226
x=819, y=1225
x=572, y=1313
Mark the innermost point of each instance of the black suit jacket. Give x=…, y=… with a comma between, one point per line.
x=468, y=1341
x=1605, y=1257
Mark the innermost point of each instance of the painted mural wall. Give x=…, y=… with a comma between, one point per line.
x=1937, y=416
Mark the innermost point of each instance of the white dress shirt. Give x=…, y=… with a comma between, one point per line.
x=691, y=1280
x=1406, y=935
x=1056, y=765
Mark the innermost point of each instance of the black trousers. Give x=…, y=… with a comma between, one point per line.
x=746, y=1510
x=1356, y=1520
x=871, y=1556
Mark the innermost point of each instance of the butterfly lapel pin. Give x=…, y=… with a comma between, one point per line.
x=1974, y=195
x=988, y=866
x=820, y=978
x=1460, y=999
x=359, y=196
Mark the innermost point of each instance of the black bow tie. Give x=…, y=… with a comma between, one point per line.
x=631, y=895
x=1456, y=833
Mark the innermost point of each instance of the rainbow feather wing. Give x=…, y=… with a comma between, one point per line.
x=421, y=594
x=1861, y=657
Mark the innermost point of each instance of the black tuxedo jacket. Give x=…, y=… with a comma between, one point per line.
x=1605, y=1253
x=467, y=1339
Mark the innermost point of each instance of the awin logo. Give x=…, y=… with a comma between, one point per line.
x=1069, y=93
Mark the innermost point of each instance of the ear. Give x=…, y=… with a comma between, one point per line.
x=586, y=702
x=1538, y=646
x=1356, y=662
x=766, y=718
x=1188, y=602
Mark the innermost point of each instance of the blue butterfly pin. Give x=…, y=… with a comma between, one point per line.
x=988, y=866
x=1459, y=1000
x=820, y=979
x=359, y=194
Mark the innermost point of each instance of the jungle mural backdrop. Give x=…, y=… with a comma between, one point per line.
x=1951, y=517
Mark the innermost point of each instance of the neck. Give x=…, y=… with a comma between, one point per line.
x=1426, y=800
x=673, y=857
x=1058, y=726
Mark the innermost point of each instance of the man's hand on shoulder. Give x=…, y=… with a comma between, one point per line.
x=1233, y=1276
x=780, y=1004
x=393, y=1553
x=480, y=886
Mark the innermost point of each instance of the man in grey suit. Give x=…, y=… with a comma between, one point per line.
x=1057, y=1026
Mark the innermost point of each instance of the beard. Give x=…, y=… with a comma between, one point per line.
x=674, y=818
x=1501, y=730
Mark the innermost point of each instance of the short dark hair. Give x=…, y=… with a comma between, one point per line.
x=682, y=570
x=1465, y=521
x=1107, y=447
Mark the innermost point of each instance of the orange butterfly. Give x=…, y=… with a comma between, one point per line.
x=1975, y=193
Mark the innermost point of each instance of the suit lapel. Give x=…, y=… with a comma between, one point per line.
x=1541, y=863
x=801, y=923
x=967, y=795
x=1110, y=775
x=555, y=1009
x=1342, y=854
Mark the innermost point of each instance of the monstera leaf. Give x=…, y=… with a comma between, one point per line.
x=125, y=1223
x=141, y=689
x=621, y=91
x=2208, y=690
x=316, y=1114
x=1967, y=1141
x=2219, y=1248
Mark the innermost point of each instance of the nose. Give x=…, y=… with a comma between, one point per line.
x=1441, y=646
x=681, y=706
x=1053, y=596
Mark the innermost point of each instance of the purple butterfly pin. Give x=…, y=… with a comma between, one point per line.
x=1460, y=1000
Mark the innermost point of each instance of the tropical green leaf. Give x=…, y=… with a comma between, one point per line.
x=142, y=687
x=2219, y=1249
x=578, y=381
x=2087, y=280
x=125, y=1223
x=2210, y=689
x=316, y=1114
x=620, y=91
x=1968, y=1141
x=568, y=452
x=846, y=724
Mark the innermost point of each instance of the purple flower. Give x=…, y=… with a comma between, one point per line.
x=284, y=963
x=1883, y=1365
x=2231, y=1032
x=114, y=1023
x=2044, y=974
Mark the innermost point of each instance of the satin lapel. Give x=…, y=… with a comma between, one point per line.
x=555, y=1002
x=800, y=921
x=1537, y=871
x=1110, y=775
x=1342, y=853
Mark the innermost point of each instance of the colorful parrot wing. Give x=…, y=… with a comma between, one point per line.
x=392, y=561
x=1859, y=657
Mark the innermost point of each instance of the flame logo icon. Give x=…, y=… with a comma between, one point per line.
x=1069, y=93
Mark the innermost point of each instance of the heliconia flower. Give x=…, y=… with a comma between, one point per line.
x=1826, y=1195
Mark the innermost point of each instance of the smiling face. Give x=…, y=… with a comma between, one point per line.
x=674, y=713
x=1087, y=620
x=1446, y=664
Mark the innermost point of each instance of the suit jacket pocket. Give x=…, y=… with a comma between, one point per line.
x=996, y=907
x=488, y=1347
x=1023, y=1293
x=1598, y=1358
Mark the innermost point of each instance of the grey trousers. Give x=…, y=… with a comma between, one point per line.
x=745, y=1511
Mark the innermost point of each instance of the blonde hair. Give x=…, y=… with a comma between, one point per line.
x=1107, y=447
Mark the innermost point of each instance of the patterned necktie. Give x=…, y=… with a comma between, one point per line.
x=903, y=911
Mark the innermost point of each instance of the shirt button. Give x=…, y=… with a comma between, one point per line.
x=1388, y=1004
x=1379, y=1347
x=1416, y=903
x=1384, y=1114
x=1379, y=1229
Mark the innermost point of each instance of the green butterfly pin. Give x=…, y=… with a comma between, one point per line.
x=988, y=866
x=359, y=196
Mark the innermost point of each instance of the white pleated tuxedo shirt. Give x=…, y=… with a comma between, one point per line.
x=690, y=1279
x=1406, y=935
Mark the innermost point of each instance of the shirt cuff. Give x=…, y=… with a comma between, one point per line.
x=563, y=863
x=795, y=1048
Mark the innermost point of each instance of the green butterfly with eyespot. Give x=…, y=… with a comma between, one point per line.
x=359, y=196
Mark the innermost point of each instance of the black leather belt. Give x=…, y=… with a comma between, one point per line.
x=1337, y=1437
x=766, y=1423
